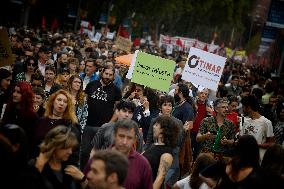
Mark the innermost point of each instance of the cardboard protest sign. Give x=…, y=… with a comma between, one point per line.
x=203, y=68
x=96, y=38
x=6, y=57
x=110, y=35
x=132, y=64
x=153, y=71
x=169, y=49
x=123, y=43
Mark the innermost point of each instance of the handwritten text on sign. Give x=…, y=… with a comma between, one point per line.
x=203, y=68
x=153, y=71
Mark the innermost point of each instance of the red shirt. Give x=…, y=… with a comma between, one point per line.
x=200, y=115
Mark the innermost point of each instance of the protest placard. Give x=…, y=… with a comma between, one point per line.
x=153, y=71
x=6, y=57
x=203, y=68
x=123, y=43
x=110, y=35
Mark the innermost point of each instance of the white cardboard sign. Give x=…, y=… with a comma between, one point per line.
x=203, y=68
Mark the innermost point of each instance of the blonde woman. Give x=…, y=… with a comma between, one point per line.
x=49, y=169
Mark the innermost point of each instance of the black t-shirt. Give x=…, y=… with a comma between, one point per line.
x=101, y=100
x=153, y=155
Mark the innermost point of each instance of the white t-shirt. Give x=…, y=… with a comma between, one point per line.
x=260, y=128
x=184, y=184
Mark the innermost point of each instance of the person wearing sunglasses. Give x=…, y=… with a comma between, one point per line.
x=30, y=66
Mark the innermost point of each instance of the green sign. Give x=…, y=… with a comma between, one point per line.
x=153, y=71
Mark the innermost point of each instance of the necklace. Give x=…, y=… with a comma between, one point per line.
x=181, y=103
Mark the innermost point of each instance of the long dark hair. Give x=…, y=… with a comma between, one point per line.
x=246, y=154
x=202, y=161
x=170, y=130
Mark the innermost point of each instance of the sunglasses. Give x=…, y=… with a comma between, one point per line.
x=34, y=85
x=32, y=64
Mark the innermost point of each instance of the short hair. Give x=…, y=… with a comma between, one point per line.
x=166, y=99
x=107, y=67
x=170, y=129
x=115, y=162
x=126, y=124
x=125, y=104
x=183, y=88
x=51, y=68
x=251, y=101
x=233, y=99
x=220, y=101
x=235, y=77
x=39, y=91
x=60, y=137
x=91, y=60
x=37, y=76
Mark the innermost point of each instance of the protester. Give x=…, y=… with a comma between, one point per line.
x=113, y=165
x=256, y=124
x=39, y=100
x=30, y=67
x=159, y=155
x=5, y=83
x=20, y=111
x=49, y=168
x=194, y=181
x=139, y=170
x=217, y=133
x=59, y=111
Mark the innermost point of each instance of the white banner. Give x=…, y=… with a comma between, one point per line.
x=203, y=68
x=169, y=49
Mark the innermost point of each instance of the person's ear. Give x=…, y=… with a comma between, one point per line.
x=15, y=147
x=112, y=178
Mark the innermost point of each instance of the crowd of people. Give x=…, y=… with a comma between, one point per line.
x=71, y=119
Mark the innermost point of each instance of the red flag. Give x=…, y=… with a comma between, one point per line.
x=136, y=42
x=205, y=48
x=179, y=43
x=123, y=32
x=43, y=23
x=54, y=25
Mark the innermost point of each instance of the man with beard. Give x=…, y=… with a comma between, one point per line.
x=102, y=95
x=139, y=170
x=184, y=111
x=256, y=124
x=216, y=132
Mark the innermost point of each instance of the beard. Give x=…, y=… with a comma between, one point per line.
x=106, y=81
x=177, y=98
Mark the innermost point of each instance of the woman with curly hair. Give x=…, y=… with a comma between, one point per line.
x=75, y=87
x=59, y=110
x=159, y=154
x=20, y=111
